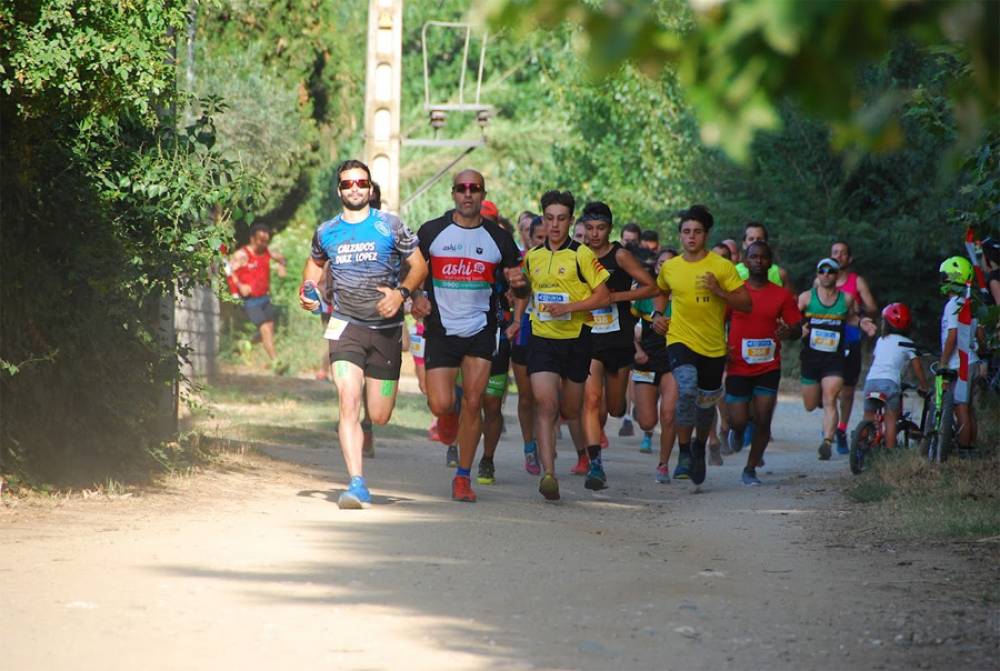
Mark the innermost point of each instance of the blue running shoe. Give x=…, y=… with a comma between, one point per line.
x=356, y=497
x=750, y=477
x=841, y=438
x=683, y=469
x=596, y=479
x=646, y=446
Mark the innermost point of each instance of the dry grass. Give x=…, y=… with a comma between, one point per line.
x=960, y=498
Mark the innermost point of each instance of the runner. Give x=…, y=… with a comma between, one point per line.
x=752, y=232
x=567, y=282
x=826, y=310
x=612, y=337
x=652, y=376
x=722, y=249
x=365, y=248
x=250, y=279
x=650, y=239
x=464, y=251
x=519, y=363
x=754, y=368
x=630, y=235
x=856, y=287
x=700, y=286
x=509, y=322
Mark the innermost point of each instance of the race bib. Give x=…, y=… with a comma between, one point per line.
x=417, y=345
x=605, y=319
x=824, y=340
x=542, y=298
x=758, y=350
x=334, y=328
x=647, y=376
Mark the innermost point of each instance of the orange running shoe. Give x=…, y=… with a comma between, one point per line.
x=461, y=490
x=447, y=427
x=582, y=465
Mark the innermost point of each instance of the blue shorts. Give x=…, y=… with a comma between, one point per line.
x=259, y=309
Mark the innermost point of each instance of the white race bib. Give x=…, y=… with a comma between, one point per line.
x=824, y=340
x=334, y=328
x=544, y=297
x=758, y=350
x=644, y=376
x=605, y=319
x=417, y=345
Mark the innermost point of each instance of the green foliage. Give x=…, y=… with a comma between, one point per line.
x=107, y=208
x=743, y=59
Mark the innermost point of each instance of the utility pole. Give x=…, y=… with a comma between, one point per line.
x=382, y=97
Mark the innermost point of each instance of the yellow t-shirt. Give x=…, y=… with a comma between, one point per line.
x=698, y=316
x=566, y=275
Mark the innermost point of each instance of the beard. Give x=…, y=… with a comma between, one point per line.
x=354, y=207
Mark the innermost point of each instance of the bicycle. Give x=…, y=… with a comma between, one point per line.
x=940, y=440
x=869, y=436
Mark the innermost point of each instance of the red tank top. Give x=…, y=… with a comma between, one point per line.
x=256, y=273
x=850, y=287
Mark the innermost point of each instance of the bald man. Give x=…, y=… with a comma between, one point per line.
x=466, y=254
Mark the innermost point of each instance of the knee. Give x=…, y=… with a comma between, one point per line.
x=546, y=407
x=472, y=401
x=380, y=417
x=592, y=399
x=441, y=405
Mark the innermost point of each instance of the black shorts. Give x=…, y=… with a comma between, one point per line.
x=741, y=388
x=710, y=368
x=852, y=365
x=658, y=364
x=569, y=358
x=445, y=351
x=501, y=359
x=814, y=368
x=519, y=354
x=615, y=359
x=259, y=309
x=378, y=352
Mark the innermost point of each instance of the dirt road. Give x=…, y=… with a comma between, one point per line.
x=255, y=567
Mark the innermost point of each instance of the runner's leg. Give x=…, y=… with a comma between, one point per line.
x=349, y=378
x=267, y=339
x=545, y=390
x=668, y=422
x=763, y=413
x=525, y=403
x=475, y=375
x=831, y=385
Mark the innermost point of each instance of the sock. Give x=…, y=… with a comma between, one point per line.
x=685, y=449
x=649, y=434
x=594, y=453
x=358, y=480
x=530, y=447
x=485, y=459
x=842, y=426
x=462, y=472
x=580, y=453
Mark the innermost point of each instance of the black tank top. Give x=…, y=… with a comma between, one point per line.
x=605, y=335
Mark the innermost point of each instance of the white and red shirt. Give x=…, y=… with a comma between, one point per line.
x=464, y=266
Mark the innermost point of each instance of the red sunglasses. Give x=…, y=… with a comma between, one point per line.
x=467, y=187
x=346, y=184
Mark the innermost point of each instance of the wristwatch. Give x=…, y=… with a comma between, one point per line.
x=404, y=291
x=655, y=313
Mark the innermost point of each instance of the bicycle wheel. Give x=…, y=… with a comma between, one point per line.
x=862, y=446
x=946, y=425
x=929, y=446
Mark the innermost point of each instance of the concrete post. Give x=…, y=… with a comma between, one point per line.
x=382, y=97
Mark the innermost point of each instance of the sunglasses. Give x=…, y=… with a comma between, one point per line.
x=825, y=271
x=346, y=184
x=467, y=187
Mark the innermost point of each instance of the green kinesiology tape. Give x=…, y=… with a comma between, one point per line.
x=388, y=387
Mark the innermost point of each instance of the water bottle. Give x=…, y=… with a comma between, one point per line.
x=311, y=293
